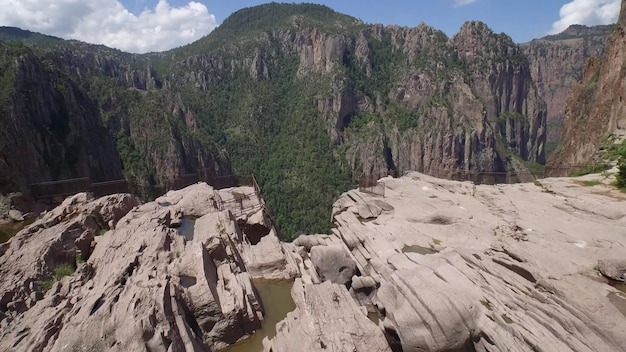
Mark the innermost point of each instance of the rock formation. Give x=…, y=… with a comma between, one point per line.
x=556, y=65
x=435, y=265
x=596, y=105
x=144, y=285
x=490, y=268
x=375, y=97
x=326, y=319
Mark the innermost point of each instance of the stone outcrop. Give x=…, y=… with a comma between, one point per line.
x=147, y=284
x=596, y=105
x=326, y=319
x=556, y=65
x=614, y=269
x=31, y=257
x=434, y=265
x=456, y=266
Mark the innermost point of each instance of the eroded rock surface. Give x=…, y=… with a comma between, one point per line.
x=144, y=287
x=326, y=319
x=491, y=268
x=435, y=265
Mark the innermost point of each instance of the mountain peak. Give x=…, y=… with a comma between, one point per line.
x=275, y=14
x=249, y=22
x=14, y=34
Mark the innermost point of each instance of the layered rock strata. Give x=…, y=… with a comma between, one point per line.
x=148, y=284
x=435, y=265
x=596, y=105
x=511, y=267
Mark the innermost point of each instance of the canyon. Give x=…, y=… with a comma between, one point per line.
x=433, y=265
x=350, y=97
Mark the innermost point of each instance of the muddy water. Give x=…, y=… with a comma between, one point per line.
x=374, y=317
x=618, y=285
x=277, y=302
x=187, y=226
x=418, y=249
x=11, y=229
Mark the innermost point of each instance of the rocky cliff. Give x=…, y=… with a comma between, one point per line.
x=50, y=128
x=488, y=268
x=308, y=99
x=557, y=63
x=435, y=265
x=373, y=98
x=595, y=105
x=98, y=113
x=164, y=276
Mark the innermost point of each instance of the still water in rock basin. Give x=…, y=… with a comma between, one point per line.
x=418, y=249
x=7, y=231
x=187, y=227
x=277, y=302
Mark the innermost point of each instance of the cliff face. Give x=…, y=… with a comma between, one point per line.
x=51, y=130
x=596, y=104
x=308, y=99
x=95, y=112
x=557, y=64
x=400, y=98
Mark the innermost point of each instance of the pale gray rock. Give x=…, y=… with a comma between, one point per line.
x=513, y=267
x=369, y=210
x=333, y=263
x=310, y=241
x=326, y=319
x=144, y=286
x=614, y=269
x=31, y=257
x=363, y=282
x=84, y=244
x=363, y=290
x=16, y=215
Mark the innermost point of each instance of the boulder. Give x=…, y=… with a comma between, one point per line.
x=363, y=282
x=16, y=215
x=326, y=319
x=333, y=263
x=310, y=241
x=84, y=244
x=614, y=269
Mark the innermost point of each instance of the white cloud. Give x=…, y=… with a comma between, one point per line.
x=108, y=22
x=587, y=12
x=459, y=3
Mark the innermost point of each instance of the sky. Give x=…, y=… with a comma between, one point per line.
x=140, y=26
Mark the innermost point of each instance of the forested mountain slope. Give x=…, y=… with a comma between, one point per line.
x=557, y=63
x=304, y=98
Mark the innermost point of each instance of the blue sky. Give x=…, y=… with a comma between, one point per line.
x=523, y=20
x=155, y=25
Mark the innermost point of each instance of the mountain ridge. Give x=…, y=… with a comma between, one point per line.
x=307, y=110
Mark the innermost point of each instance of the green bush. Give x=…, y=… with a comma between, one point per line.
x=591, y=170
x=58, y=273
x=63, y=271
x=620, y=178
